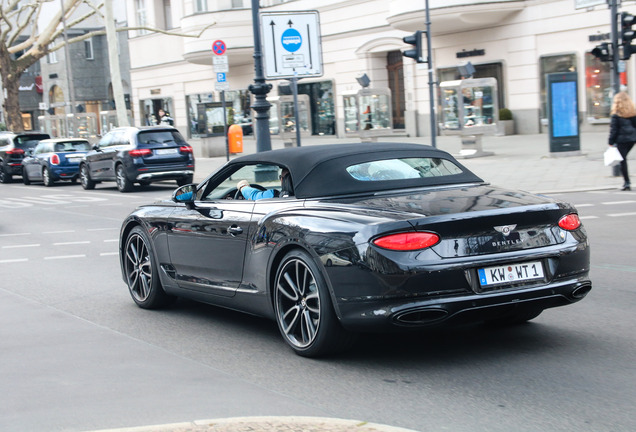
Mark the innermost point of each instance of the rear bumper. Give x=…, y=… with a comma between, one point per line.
x=413, y=313
x=163, y=175
x=64, y=173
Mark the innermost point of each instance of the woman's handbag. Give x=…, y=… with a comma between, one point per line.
x=612, y=156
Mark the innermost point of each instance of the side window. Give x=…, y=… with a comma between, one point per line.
x=106, y=140
x=39, y=149
x=265, y=176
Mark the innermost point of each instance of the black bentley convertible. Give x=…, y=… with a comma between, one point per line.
x=372, y=237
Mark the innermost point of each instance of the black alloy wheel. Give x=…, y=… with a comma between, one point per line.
x=303, y=308
x=85, y=178
x=141, y=272
x=25, y=177
x=123, y=184
x=46, y=177
x=5, y=177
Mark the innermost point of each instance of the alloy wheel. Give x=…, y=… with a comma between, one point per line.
x=298, y=303
x=138, y=266
x=46, y=177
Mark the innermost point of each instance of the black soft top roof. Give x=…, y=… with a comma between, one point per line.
x=320, y=170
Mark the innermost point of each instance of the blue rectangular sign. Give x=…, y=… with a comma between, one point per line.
x=220, y=77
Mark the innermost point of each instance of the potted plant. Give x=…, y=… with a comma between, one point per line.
x=506, y=124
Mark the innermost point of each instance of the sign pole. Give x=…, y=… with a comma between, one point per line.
x=227, y=141
x=294, y=85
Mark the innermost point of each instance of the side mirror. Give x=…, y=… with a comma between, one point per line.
x=185, y=194
x=95, y=147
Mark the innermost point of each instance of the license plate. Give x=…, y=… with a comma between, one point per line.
x=510, y=273
x=166, y=151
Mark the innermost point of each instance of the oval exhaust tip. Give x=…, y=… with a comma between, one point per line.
x=420, y=317
x=582, y=290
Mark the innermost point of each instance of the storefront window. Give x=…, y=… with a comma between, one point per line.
x=323, y=120
x=552, y=64
x=150, y=110
x=598, y=87
x=205, y=113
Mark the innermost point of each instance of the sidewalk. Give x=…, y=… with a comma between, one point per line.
x=519, y=161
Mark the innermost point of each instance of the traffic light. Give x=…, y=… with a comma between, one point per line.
x=416, y=40
x=627, y=35
x=603, y=52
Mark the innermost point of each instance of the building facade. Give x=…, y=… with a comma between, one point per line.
x=517, y=42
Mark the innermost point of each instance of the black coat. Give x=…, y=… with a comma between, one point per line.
x=622, y=130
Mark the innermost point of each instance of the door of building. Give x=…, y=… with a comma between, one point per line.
x=395, y=71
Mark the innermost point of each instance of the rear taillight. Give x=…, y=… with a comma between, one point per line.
x=570, y=222
x=15, y=151
x=407, y=241
x=140, y=152
x=185, y=149
x=55, y=159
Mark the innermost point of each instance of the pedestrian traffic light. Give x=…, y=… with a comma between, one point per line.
x=603, y=52
x=416, y=40
x=627, y=35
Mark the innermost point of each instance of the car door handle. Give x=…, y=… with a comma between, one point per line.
x=235, y=230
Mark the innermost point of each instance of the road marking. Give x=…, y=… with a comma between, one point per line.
x=108, y=253
x=64, y=257
x=59, y=232
x=14, y=234
x=20, y=246
x=111, y=240
x=584, y=205
x=588, y=217
x=616, y=267
x=71, y=243
x=622, y=214
x=618, y=202
x=101, y=229
x=15, y=260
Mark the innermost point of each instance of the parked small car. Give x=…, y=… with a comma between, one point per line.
x=141, y=155
x=13, y=148
x=53, y=160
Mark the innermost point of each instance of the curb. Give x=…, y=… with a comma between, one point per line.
x=266, y=424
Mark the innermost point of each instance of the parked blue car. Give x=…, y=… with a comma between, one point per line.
x=53, y=160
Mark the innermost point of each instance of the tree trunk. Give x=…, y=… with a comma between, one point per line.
x=11, y=86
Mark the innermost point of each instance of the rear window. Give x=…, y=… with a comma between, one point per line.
x=71, y=146
x=28, y=141
x=400, y=169
x=152, y=138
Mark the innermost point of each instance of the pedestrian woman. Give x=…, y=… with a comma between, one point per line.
x=623, y=130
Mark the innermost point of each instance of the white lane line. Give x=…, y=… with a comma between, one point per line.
x=618, y=202
x=64, y=257
x=101, y=229
x=622, y=214
x=108, y=253
x=59, y=232
x=71, y=243
x=588, y=217
x=15, y=260
x=21, y=246
x=111, y=240
x=14, y=234
x=583, y=205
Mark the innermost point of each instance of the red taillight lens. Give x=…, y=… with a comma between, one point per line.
x=407, y=241
x=140, y=152
x=570, y=222
x=55, y=159
x=15, y=151
x=185, y=149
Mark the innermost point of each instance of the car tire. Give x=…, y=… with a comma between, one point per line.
x=46, y=177
x=5, y=177
x=123, y=184
x=185, y=180
x=304, y=312
x=85, y=178
x=25, y=177
x=142, y=275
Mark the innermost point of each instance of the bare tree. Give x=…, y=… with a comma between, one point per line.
x=22, y=43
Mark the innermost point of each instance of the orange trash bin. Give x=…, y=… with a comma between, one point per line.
x=235, y=138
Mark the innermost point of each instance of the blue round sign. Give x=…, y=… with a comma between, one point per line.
x=291, y=40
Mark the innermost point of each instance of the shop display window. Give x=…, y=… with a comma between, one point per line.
x=469, y=106
x=598, y=87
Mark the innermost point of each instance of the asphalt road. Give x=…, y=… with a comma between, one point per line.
x=76, y=354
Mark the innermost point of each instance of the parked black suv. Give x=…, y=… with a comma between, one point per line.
x=143, y=155
x=13, y=147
